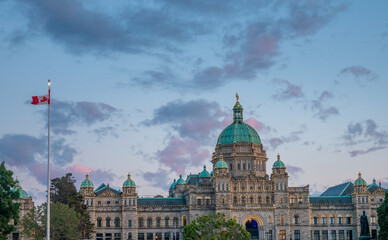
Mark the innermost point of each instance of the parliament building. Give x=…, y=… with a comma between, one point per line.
x=239, y=186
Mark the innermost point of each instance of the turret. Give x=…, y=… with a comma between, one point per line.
x=87, y=186
x=129, y=186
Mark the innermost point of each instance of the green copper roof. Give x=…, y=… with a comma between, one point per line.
x=221, y=163
x=360, y=181
x=238, y=131
x=173, y=184
x=180, y=180
x=204, y=173
x=279, y=163
x=87, y=182
x=129, y=182
x=22, y=193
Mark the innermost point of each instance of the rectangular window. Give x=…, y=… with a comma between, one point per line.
x=158, y=220
x=348, y=220
x=315, y=220
x=349, y=234
x=176, y=236
x=108, y=236
x=129, y=223
x=99, y=236
x=296, y=235
x=129, y=236
x=141, y=223
x=167, y=222
x=333, y=235
x=325, y=235
x=316, y=235
x=339, y=220
x=140, y=236
x=149, y=222
x=341, y=235
x=150, y=236
x=269, y=234
x=207, y=201
x=158, y=235
x=117, y=236
x=167, y=236
x=332, y=220
x=199, y=201
x=324, y=220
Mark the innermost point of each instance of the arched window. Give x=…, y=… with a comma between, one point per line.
x=243, y=200
x=184, y=220
x=300, y=199
x=99, y=222
x=199, y=201
x=234, y=200
x=117, y=222
x=259, y=200
x=158, y=221
x=268, y=200
x=231, y=167
x=176, y=222
x=167, y=221
x=108, y=221
x=282, y=221
x=270, y=219
x=238, y=166
x=243, y=166
x=219, y=187
x=129, y=236
x=223, y=187
x=315, y=220
x=251, y=199
x=227, y=187
x=149, y=222
x=141, y=222
x=223, y=201
x=207, y=201
x=281, y=200
x=296, y=219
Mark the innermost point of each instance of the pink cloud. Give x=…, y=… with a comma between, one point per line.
x=79, y=168
x=258, y=126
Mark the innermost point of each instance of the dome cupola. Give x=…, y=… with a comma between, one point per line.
x=87, y=182
x=279, y=163
x=129, y=182
x=204, y=173
x=238, y=131
x=180, y=181
x=18, y=188
x=221, y=163
x=360, y=181
x=173, y=184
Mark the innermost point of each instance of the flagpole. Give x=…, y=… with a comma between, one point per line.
x=48, y=164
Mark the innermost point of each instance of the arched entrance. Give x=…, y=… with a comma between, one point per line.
x=252, y=228
x=254, y=225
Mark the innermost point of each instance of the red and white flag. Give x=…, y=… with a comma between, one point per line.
x=41, y=100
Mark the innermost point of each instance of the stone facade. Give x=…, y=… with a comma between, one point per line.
x=240, y=188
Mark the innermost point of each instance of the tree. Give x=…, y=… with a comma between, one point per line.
x=9, y=208
x=214, y=227
x=382, y=215
x=64, y=222
x=64, y=191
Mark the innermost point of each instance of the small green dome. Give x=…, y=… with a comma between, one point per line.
x=279, y=163
x=87, y=182
x=180, y=181
x=221, y=163
x=22, y=193
x=204, y=173
x=173, y=184
x=238, y=131
x=129, y=182
x=360, y=181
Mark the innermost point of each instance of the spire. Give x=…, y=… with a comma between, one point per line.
x=237, y=111
x=204, y=167
x=278, y=157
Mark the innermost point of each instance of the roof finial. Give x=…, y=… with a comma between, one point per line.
x=87, y=176
x=237, y=97
x=374, y=180
x=204, y=167
x=359, y=174
x=129, y=176
x=278, y=156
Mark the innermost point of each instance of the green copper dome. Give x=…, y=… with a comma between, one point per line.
x=204, y=173
x=360, y=181
x=279, y=163
x=221, y=163
x=22, y=193
x=87, y=182
x=238, y=131
x=129, y=182
x=173, y=184
x=180, y=181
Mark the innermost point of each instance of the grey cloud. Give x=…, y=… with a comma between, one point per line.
x=364, y=136
x=65, y=115
x=293, y=137
x=158, y=179
x=195, y=119
x=105, y=131
x=294, y=170
x=30, y=152
x=291, y=91
x=320, y=110
x=359, y=72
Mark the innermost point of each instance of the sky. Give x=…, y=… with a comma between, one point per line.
x=146, y=87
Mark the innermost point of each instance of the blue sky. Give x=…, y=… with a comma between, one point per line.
x=146, y=87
